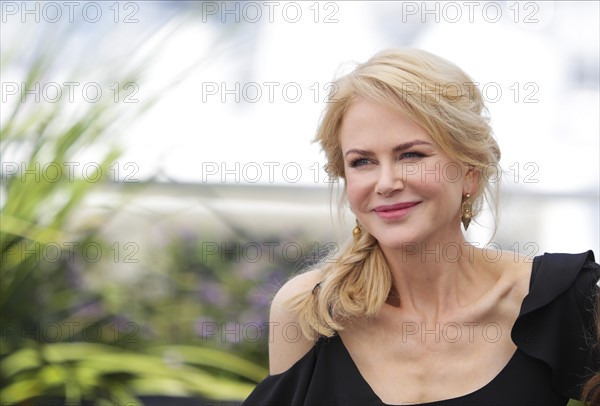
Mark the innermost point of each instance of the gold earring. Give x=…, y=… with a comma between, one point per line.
x=356, y=231
x=467, y=211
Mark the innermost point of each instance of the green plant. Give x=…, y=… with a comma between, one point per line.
x=41, y=291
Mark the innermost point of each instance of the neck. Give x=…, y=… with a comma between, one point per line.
x=434, y=280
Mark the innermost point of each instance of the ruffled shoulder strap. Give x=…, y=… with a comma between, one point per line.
x=556, y=324
x=289, y=387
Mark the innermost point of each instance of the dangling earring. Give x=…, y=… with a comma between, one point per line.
x=467, y=211
x=356, y=231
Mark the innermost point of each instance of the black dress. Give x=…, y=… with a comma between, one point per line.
x=554, y=334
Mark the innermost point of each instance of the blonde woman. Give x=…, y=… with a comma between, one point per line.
x=409, y=312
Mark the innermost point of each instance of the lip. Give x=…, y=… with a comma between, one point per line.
x=394, y=211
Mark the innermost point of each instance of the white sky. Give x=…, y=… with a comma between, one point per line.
x=554, y=140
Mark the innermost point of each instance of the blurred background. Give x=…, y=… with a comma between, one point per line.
x=159, y=182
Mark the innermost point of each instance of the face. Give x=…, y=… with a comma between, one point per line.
x=401, y=186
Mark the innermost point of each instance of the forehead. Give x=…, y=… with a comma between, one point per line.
x=367, y=122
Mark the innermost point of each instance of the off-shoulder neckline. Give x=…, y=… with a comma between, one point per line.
x=504, y=370
x=511, y=360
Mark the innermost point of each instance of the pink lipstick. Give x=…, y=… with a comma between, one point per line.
x=394, y=211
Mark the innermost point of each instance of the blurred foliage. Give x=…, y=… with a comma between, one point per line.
x=219, y=289
x=61, y=337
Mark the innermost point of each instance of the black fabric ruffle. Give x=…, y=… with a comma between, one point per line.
x=556, y=322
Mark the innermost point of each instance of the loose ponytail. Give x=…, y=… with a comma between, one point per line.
x=356, y=283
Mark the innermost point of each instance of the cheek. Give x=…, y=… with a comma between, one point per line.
x=357, y=190
x=446, y=196
x=452, y=196
x=444, y=179
x=352, y=192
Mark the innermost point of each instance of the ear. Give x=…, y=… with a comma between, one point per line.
x=471, y=179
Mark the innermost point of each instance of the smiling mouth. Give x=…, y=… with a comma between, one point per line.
x=393, y=211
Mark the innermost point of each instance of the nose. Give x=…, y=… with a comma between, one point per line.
x=390, y=180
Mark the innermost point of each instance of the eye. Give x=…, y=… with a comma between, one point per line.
x=359, y=162
x=411, y=155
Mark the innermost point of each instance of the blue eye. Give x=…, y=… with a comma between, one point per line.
x=359, y=162
x=408, y=155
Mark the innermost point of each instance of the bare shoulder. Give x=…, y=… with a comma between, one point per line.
x=509, y=272
x=286, y=342
x=514, y=270
x=520, y=266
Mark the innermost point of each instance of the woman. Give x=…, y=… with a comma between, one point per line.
x=409, y=312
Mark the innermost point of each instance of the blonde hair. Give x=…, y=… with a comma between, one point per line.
x=442, y=99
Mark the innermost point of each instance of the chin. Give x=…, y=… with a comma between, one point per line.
x=399, y=240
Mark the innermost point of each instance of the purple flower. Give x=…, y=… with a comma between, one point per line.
x=258, y=298
x=206, y=326
x=213, y=294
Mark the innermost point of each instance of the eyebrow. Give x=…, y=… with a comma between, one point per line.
x=398, y=148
